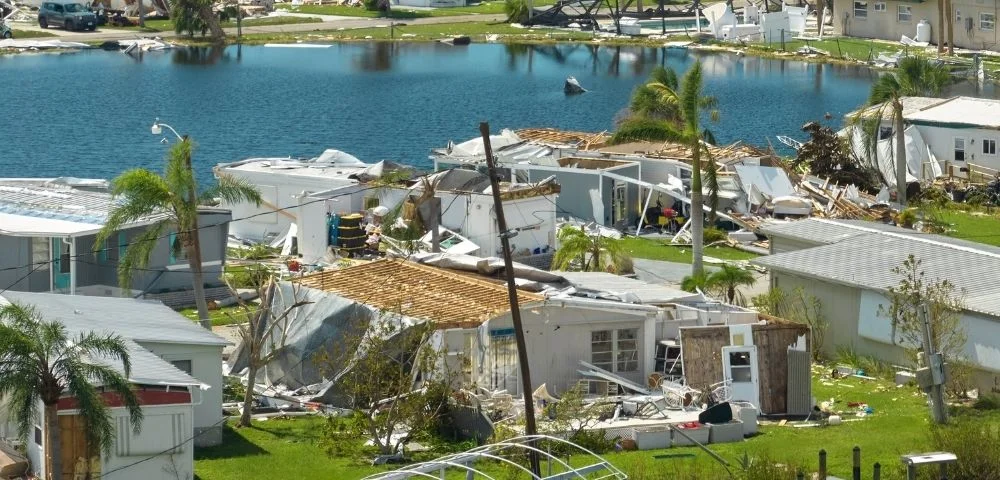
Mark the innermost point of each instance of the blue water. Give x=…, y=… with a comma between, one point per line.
x=88, y=114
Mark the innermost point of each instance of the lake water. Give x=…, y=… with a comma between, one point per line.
x=88, y=114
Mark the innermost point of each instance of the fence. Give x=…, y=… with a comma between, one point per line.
x=940, y=459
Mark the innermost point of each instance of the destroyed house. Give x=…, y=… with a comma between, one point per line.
x=176, y=371
x=848, y=266
x=630, y=329
x=47, y=233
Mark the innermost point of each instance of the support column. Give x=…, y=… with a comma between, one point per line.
x=72, y=266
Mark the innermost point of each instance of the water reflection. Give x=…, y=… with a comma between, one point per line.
x=377, y=57
x=204, y=56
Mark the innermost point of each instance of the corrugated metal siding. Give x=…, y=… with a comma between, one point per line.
x=799, y=383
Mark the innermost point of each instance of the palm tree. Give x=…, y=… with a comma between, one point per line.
x=950, y=26
x=724, y=282
x=144, y=193
x=595, y=253
x=727, y=281
x=40, y=363
x=685, y=128
x=915, y=77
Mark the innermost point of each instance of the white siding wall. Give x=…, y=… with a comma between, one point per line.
x=206, y=364
x=942, y=141
x=887, y=25
x=558, y=338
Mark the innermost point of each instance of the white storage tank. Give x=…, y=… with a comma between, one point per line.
x=923, y=31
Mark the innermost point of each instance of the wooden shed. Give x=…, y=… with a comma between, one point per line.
x=779, y=349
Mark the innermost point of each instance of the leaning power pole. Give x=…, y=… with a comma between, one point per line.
x=515, y=310
x=935, y=365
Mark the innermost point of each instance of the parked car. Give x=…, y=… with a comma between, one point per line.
x=5, y=31
x=69, y=14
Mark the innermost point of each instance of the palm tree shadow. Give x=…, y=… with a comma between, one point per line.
x=233, y=445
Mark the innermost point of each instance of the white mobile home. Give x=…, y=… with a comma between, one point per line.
x=281, y=181
x=176, y=369
x=847, y=265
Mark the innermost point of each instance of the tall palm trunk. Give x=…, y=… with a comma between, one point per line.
x=53, y=445
x=950, y=26
x=697, y=209
x=198, y=277
x=942, y=20
x=208, y=16
x=821, y=10
x=897, y=115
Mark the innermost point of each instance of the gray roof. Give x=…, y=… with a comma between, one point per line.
x=864, y=257
x=647, y=293
x=134, y=320
x=138, y=320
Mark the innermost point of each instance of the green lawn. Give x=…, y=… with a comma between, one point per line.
x=899, y=425
x=20, y=34
x=838, y=47
x=219, y=316
x=476, y=30
x=663, y=250
x=974, y=226
x=484, y=8
x=166, y=25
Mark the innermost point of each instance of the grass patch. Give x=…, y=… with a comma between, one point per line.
x=838, y=47
x=218, y=317
x=476, y=30
x=662, y=250
x=21, y=34
x=977, y=227
x=899, y=425
x=166, y=25
x=484, y=8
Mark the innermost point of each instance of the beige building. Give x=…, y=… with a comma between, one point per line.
x=974, y=21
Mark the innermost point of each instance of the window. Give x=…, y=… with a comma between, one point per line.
x=740, y=367
x=178, y=253
x=958, y=16
x=182, y=365
x=860, y=9
x=38, y=435
x=615, y=350
x=904, y=13
x=40, y=256
x=989, y=147
x=102, y=254
x=987, y=21
x=122, y=244
x=879, y=7
x=960, y=149
x=884, y=133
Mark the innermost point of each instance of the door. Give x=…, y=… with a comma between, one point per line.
x=619, y=206
x=739, y=365
x=76, y=461
x=58, y=16
x=61, y=264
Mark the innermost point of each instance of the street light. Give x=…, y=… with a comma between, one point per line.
x=157, y=129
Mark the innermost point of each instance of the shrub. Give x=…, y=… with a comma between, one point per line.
x=249, y=276
x=987, y=402
x=516, y=10
x=594, y=440
x=713, y=235
x=976, y=444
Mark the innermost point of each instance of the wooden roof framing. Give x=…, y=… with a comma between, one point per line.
x=583, y=140
x=447, y=298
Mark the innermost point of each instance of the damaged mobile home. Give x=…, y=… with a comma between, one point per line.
x=611, y=336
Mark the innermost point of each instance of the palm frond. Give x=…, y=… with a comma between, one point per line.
x=108, y=346
x=647, y=129
x=178, y=173
x=664, y=76
x=138, y=252
x=233, y=191
x=691, y=97
x=140, y=193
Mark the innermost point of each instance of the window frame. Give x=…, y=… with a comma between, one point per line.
x=992, y=21
x=955, y=150
x=899, y=13
x=989, y=147
x=863, y=10
x=41, y=264
x=179, y=255
x=880, y=7
x=624, y=358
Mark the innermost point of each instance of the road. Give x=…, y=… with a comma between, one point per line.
x=333, y=23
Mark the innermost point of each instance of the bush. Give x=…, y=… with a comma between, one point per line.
x=250, y=276
x=713, y=235
x=976, y=444
x=516, y=10
x=987, y=402
x=594, y=440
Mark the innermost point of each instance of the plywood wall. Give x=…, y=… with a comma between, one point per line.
x=702, y=357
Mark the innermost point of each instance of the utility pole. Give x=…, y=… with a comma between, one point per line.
x=515, y=311
x=935, y=365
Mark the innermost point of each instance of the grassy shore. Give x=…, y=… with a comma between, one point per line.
x=899, y=425
x=483, y=8
x=22, y=34
x=165, y=25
